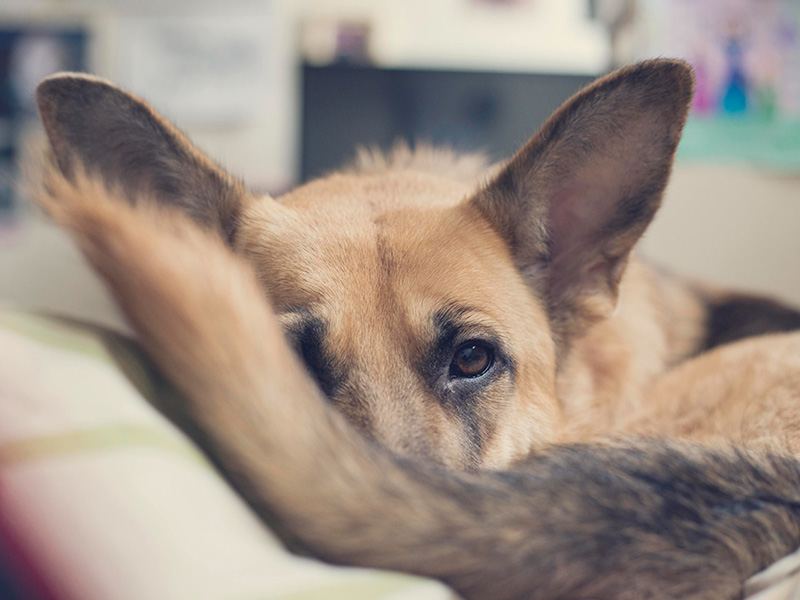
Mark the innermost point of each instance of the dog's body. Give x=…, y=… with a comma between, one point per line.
x=472, y=325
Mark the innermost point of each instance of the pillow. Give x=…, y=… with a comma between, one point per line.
x=101, y=497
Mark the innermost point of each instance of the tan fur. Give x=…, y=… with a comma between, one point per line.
x=747, y=392
x=544, y=533
x=607, y=376
x=329, y=248
x=422, y=158
x=335, y=256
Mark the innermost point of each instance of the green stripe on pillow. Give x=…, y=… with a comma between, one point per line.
x=97, y=439
x=382, y=585
x=54, y=333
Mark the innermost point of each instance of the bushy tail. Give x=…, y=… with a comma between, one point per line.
x=633, y=520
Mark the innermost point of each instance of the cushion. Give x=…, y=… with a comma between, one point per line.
x=102, y=497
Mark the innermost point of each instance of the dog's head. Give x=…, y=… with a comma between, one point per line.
x=431, y=311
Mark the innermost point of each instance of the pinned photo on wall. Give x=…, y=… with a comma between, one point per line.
x=746, y=57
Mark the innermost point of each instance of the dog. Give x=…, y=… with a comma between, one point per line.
x=452, y=329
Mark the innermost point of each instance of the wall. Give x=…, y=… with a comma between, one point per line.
x=730, y=225
x=735, y=226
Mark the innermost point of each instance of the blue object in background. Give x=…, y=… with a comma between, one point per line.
x=734, y=101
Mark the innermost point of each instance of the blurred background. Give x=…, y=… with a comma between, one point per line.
x=282, y=90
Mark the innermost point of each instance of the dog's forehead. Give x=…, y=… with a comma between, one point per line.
x=363, y=240
x=369, y=194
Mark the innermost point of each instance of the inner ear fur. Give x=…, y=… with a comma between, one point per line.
x=575, y=199
x=100, y=128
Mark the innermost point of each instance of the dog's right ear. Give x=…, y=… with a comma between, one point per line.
x=96, y=126
x=574, y=200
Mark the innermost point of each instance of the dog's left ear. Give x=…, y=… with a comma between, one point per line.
x=96, y=126
x=574, y=200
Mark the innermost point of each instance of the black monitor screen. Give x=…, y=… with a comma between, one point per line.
x=347, y=106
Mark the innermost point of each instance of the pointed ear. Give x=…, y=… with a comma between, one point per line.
x=96, y=126
x=575, y=199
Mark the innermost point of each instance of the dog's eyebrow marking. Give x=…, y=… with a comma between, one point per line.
x=460, y=314
x=306, y=333
x=455, y=319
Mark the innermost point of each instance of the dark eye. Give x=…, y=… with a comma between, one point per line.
x=471, y=359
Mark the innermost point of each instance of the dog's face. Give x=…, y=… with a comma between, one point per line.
x=432, y=312
x=399, y=295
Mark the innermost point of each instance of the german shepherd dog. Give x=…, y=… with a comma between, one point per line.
x=462, y=374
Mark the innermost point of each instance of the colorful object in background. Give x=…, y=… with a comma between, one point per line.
x=327, y=40
x=746, y=55
x=26, y=56
x=734, y=100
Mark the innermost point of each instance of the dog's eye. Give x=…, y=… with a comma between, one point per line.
x=471, y=359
